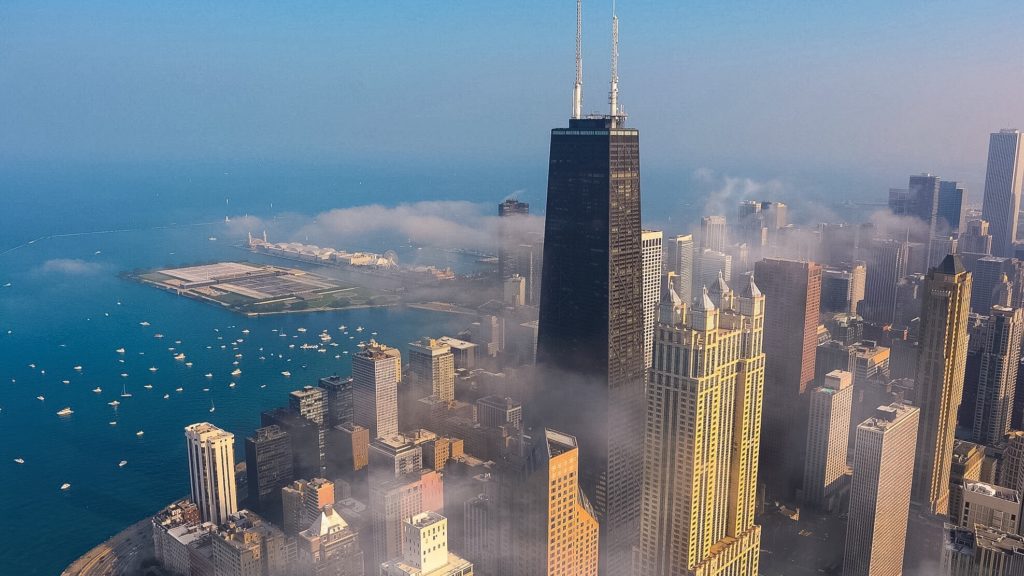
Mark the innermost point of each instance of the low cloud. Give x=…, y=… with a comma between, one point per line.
x=724, y=192
x=437, y=224
x=70, y=266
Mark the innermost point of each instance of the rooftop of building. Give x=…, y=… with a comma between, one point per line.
x=207, y=431
x=993, y=491
x=886, y=416
x=456, y=343
x=306, y=392
x=425, y=519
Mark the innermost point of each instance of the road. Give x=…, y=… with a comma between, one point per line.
x=121, y=555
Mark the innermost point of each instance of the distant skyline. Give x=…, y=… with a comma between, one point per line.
x=866, y=92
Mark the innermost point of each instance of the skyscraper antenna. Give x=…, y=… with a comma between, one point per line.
x=577, y=90
x=613, y=95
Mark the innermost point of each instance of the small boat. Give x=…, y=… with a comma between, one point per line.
x=158, y=336
x=8, y=285
x=308, y=347
x=139, y=433
x=342, y=327
x=188, y=364
x=148, y=386
x=238, y=355
x=166, y=396
x=373, y=333
x=119, y=350
x=32, y=366
x=208, y=374
x=206, y=389
x=286, y=374
x=321, y=350
x=263, y=357
x=122, y=463
x=40, y=398
x=65, y=381
x=359, y=328
x=125, y=393
x=231, y=385
x=124, y=374
x=246, y=331
x=19, y=460
x=143, y=323
x=236, y=372
x=78, y=368
x=65, y=486
x=212, y=407
x=212, y=238
x=152, y=368
x=179, y=389
x=66, y=411
x=179, y=356
x=97, y=389
x=235, y=363
x=263, y=385
x=113, y=422
x=300, y=329
x=114, y=403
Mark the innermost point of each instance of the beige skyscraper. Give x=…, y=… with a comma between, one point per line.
x=425, y=550
x=432, y=368
x=539, y=522
x=211, y=467
x=883, y=463
x=702, y=436
x=376, y=371
x=651, y=240
x=713, y=234
x=940, y=379
x=828, y=433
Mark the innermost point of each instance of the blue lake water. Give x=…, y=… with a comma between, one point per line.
x=61, y=311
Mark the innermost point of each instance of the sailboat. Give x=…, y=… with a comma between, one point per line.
x=212, y=407
x=125, y=393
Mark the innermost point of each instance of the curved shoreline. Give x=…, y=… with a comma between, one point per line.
x=121, y=554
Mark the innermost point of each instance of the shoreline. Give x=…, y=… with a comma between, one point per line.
x=121, y=554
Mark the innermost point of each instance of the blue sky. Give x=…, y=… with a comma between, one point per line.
x=867, y=90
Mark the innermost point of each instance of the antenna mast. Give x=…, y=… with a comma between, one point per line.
x=577, y=90
x=613, y=95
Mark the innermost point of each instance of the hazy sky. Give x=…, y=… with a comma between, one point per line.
x=869, y=91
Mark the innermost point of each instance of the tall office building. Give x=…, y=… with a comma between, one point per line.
x=842, y=291
x=951, y=207
x=701, y=446
x=792, y=292
x=651, y=241
x=997, y=384
x=543, y=524
x=329, y=547
x=268, y=468
x=425, y=550
x=211, y=467
x=708, y=267
x=940, y=377
x=924, y=205
x=713, y=233
x=1003, y=178
x=375, y=376
x=510, y=223
x=968, y=458
x=683, y=266
x=247, y=545
x=976, y=240
x=883, y=461
x=339, y=399
x=987, y=273
x=394, y=501
x=432, y=368
x=886, y=263
x=828, y=434
x=302, y=501
x=311, y=404
x=590, y=342
x=988, y=505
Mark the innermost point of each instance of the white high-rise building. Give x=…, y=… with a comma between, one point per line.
x=432, y=368
x=376, y=371
x=684, y=267
x=883, y=467
x=828, y=433
x=211, y=468
x=425, y=550
x=651, y=240
x=713, y=233
x=1003, y=178
x=989, y=505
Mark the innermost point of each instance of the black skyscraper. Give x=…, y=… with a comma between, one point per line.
x=590, y=338
x=268, y=462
